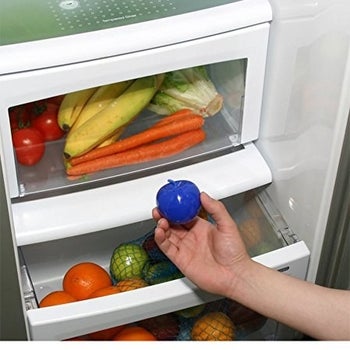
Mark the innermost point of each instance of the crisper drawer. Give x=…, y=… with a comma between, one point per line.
x=219, y=77
x=266, y=235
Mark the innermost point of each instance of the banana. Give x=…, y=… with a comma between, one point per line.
x=112, y=138
x=71, y=106
x=102, y=97
x=118, y=113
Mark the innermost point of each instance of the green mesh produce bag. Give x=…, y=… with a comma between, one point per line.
x=142, y=258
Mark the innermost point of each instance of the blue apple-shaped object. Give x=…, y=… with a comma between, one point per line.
x=179, y=201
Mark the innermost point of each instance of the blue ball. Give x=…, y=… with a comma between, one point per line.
x=179, y=201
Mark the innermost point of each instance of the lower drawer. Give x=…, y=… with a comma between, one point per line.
x=266, y=235
x=222, y=319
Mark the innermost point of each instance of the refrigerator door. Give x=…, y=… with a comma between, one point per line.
x=305, y=112
x=333, y=270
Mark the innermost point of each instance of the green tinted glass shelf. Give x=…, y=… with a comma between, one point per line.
x=22, y=21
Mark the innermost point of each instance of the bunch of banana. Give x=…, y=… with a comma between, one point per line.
x=112, y=138
x=71, y=106
x=99, y=122
x=101, y=98
x=79, y=106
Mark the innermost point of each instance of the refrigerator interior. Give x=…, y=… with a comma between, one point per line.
x=44, y=264
x=305, y=112
x=311, y=100
x=233, y=52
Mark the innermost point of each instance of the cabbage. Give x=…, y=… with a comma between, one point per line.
x=187, y=88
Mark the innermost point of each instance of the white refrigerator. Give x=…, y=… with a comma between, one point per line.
x=276, y=153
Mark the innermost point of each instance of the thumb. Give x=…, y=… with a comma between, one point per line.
x=218, y=212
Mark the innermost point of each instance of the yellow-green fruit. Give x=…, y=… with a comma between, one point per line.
x=191, y=311
x=102, y=97
x=71, y=106
x=112, y=138
x=128, y=261
x=118, y=113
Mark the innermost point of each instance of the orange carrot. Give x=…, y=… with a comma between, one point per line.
x=190, y=122
x=144, y=153
x=182, y=113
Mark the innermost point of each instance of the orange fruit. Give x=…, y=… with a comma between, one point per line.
x=105, y=291
x=134, y=333
x=82, y=279
x=131, y=283
x=106, y=334
x=213, y=326
x=56, y=298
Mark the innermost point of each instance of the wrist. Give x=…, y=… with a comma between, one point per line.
x=240, y=276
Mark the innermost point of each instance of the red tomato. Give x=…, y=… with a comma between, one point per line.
x=47, y=124
x=19, y=117
x=29, y=145
x=39, y=107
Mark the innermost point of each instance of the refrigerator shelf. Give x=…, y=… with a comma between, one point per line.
x=94, y=38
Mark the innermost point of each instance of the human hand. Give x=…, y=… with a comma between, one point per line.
x=210, y=255
x=214, y=257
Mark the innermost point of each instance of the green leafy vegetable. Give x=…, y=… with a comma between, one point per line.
x=187, y=88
